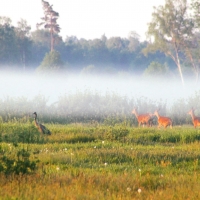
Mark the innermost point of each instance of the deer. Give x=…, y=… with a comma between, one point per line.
x=195, y=119
x=41, y=128
x=163, y=121
x=143, y=118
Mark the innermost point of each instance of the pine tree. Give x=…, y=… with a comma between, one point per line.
x=50, y=21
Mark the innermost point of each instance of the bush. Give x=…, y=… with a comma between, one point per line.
x=19, y=165
x=52, y=62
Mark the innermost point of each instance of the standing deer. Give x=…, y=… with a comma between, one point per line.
x=41, y=128
x=195, y=119
x=143, y=118
x=163, y=121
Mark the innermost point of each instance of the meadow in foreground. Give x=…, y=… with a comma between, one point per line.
x=90, y=161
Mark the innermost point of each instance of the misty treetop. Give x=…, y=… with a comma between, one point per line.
x=50, y=21
x=22, y=49
x=51, y=63
x=173, y=32
x=173, y=45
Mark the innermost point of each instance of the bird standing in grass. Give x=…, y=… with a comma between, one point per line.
x=40, y=127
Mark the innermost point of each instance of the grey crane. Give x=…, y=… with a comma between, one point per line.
x=41, y=128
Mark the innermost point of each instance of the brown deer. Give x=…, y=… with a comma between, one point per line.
x=195, y=119
x=163, y=121
x=143, y=118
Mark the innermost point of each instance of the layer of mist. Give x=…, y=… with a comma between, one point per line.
x=52, y=87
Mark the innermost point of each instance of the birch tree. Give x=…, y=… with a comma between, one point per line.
x=169, y=31
x=23, y=40
x=195, y=5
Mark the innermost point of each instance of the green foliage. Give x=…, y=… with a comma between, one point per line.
x=19, y=164
x=24, y=42
x=195, y=6
x=89, y=70
x=120, y=54
x=51, y=63
x=93, y=109
x=125, y=162
x=9, y=53
x=16, y=132
x=117, y=134
x=49, y=21
x=157, y=70
x=152, y=136
x=166, y=20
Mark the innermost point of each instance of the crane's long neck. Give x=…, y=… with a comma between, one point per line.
x=36, y=119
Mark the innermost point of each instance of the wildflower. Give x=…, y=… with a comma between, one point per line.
x=46, y=150
x=105, y=163
x=95, y=147
x=140, y=172
x=57, y=168
x=161, y=175
x=102, y=142
x=128, y=189
x=139, y=190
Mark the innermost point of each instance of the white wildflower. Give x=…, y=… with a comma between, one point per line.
x=57, y=168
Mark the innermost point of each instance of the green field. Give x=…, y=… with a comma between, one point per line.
x=92, y=161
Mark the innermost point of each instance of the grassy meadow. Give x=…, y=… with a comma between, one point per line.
x=95, y=161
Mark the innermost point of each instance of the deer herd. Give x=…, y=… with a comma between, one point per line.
x=147, y=119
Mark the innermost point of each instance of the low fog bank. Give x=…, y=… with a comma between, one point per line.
x=52, y=87
x=75, y=98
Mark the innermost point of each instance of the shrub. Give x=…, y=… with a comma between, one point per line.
x=21, y=164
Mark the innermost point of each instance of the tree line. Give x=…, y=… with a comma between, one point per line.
x=25, y=49
x=172, y=45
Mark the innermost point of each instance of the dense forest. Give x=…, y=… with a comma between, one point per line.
x=171, y=48
x=23, y=49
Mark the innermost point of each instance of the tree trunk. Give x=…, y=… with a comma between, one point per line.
x=52, y=39
x=180, y=71
x=24, y=60
x=178, y=64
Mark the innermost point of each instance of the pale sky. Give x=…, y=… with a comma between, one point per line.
x=87, y=19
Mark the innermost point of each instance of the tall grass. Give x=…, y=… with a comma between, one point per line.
x=102, y=162
x=94, y=108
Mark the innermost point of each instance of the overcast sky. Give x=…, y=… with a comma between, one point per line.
x=87, y=19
